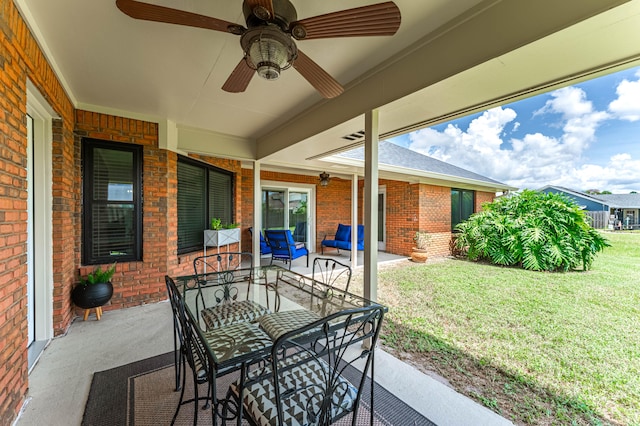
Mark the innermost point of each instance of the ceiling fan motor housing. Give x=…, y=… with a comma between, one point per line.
x=283, y=10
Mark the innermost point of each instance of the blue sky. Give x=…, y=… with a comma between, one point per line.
x=585, y=136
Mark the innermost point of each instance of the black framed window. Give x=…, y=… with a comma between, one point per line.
x=112, y=202
x=462, y=205
x=204, y=192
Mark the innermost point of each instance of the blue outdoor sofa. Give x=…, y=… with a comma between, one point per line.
x=342, y=238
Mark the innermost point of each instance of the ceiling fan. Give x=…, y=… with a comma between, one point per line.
x=268, y=38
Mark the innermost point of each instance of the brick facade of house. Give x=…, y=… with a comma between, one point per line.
x=22, y=59
x=409, y=207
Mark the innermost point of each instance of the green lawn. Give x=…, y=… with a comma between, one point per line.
x=539, y=348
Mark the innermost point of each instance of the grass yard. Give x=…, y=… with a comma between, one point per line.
x=536, y=347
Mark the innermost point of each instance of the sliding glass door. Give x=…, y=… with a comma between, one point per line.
x=298, y=218
x=288, y=208
x=273, y=208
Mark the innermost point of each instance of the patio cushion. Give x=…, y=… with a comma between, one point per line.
x=344, y=245
x=264, y=247
x=231, y=313
x=360, y=240
x=236, y=340
x=278, y=323
x=301, y=387
x=342, y=239
x=343, y=233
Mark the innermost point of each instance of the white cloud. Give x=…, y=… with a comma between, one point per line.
x=569, y=101
x=620, y=174
x=536, y=159
x=627, y=105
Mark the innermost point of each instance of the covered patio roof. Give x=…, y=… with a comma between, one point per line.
x=448, y=59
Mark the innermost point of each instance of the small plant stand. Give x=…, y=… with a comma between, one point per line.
x=221, y=237
x=98, y=313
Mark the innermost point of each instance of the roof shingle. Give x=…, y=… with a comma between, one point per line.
x=397, y=156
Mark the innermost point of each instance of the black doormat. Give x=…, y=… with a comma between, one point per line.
x=142, y=393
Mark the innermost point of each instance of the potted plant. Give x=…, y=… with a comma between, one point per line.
x=419, y=252
x=221, y=234
x=95, y=289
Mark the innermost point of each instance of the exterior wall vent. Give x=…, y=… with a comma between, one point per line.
x=354, y=136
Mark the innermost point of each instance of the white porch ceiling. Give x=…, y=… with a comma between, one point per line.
x=448, y=58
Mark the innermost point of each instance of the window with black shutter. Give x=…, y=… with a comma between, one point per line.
x=112, y=202
x=204, y=192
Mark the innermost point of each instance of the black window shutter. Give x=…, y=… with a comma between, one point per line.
x=204, y=192
x=192, y=199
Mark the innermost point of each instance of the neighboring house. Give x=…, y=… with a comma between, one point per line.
x=623, y=210
x=587, y=202
x=624, y=207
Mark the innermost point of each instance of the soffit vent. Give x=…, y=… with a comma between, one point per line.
x=354, y=136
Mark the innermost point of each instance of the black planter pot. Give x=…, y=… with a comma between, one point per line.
x=89, y=296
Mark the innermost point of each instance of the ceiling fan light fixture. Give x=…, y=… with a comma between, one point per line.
x=268, y=51
x=324, y=179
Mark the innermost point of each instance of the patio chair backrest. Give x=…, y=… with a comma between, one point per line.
x=264, y=247
x=279, y=240
x=300, y=232
x=307, y=376
x=343, y=233
x=174, y=296
x=191, y=346
x=219, y=262
x=331, y=272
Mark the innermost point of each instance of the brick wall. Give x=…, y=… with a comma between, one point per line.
x=137, y=283
x=134, y=283
x=184, y=263
x=333, y=202
x=481, y=198
x=409, y=208
x=22, y=59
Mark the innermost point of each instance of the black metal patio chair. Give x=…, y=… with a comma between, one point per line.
x=306, y=381
x=331, y=272
x=190, y=351
x=223, y=274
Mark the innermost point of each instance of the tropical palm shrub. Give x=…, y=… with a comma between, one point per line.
x=533, y=230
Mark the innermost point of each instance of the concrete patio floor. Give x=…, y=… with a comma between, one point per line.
x=60, y=381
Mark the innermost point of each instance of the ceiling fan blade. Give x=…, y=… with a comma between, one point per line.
x=317, y=77
x=152, y=12
x=380, y=19
x=239, y=78
x=266, y=5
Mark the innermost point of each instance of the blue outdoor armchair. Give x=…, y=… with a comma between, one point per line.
x=342, y=238
x=283, y=247
x=264, y=247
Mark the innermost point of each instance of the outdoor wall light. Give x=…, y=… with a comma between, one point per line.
x=324, y=179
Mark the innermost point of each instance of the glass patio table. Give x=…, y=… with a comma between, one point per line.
x=241, y=313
